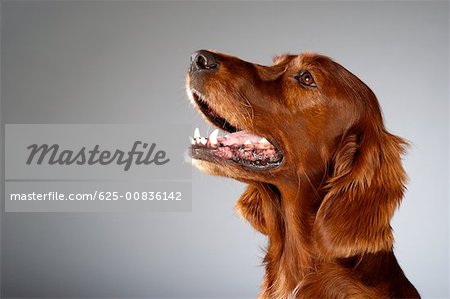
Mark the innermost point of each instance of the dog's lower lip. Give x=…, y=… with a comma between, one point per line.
x=256, y=152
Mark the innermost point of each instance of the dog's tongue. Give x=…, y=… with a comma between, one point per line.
x=240, y=137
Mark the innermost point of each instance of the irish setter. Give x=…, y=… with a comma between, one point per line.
x=324, y=175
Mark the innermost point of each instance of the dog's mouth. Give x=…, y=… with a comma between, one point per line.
x=238, y=146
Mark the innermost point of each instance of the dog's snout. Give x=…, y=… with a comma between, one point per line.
x=204, y=60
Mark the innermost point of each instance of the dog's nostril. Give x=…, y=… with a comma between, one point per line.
x=203, y=60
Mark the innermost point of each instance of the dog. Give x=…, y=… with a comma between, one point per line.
x=324, y=175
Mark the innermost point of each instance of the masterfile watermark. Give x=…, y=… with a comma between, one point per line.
x=97, y=168
x=52, y=154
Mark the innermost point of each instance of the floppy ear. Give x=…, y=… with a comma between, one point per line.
x=257, y=205
x=365, y=188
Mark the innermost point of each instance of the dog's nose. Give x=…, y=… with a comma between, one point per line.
x=203, y=60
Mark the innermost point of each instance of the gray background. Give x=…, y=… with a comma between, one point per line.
x=124, y=62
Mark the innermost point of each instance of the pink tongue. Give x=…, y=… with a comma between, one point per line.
x=239, y=138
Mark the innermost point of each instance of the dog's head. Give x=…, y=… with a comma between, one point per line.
x=303, y=116
x=280, y=119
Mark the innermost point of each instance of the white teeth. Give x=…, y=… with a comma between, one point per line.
x=248, y=142
x=198, y=139
x=213, y=136
x=264, y=141
x=196, y=133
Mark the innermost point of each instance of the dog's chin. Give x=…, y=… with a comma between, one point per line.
x=213, y=168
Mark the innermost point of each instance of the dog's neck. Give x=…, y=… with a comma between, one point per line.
x=290, y=254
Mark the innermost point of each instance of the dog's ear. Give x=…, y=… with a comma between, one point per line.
x=364, y=189
x=258, y=205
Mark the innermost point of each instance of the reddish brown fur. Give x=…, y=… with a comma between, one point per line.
x=327, y=209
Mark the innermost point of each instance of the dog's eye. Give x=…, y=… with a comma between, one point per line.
x=306, y=79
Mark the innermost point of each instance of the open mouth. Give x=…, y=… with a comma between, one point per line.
x=239, y=146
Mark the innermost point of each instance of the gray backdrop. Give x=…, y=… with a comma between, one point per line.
x=124, y=62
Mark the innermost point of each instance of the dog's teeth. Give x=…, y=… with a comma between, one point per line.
x=203, y=140
x=191, y=140
x=264, y=141
x=197, y=133
x=247, y=142
x=213, y=136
